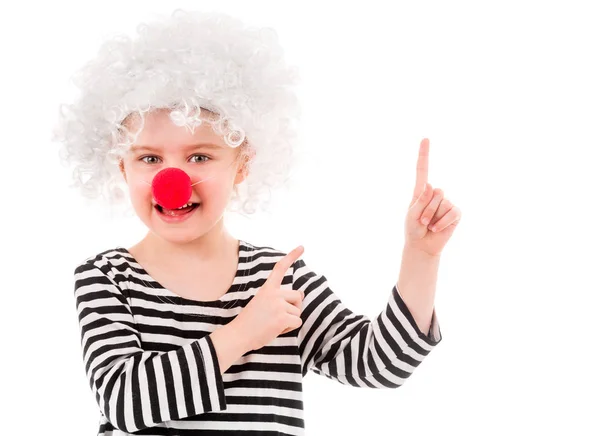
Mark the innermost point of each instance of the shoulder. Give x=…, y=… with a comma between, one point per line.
x=108, y=262
x=268, y=255
x=101, y=276
x=264, y=252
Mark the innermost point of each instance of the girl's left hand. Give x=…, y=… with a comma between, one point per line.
x=431, y=218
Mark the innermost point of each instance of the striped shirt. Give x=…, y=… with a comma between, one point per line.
x=153, y=368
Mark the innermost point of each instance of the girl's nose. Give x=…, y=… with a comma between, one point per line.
x=172, y=188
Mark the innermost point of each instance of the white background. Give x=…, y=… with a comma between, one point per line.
x=509, y=96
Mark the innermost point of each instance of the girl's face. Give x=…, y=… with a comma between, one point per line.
x=162, y=144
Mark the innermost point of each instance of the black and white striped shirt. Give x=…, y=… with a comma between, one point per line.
x=153, y=368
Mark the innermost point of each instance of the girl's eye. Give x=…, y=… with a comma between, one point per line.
x=201, y=155
x=154, y=157
x=145, y=157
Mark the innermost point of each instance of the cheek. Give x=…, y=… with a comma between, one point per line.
x=213, y=188
x=141, y=194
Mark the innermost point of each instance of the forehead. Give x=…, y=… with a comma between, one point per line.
x=161, y=134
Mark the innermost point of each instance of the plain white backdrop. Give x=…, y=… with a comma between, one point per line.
x=509, y=95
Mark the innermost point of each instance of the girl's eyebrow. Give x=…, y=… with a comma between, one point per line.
x=204, y=145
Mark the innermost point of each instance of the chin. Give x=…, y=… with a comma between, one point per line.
x=182, y=239
x=176, y=232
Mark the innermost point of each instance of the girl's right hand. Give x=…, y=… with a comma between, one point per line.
x=272, y=311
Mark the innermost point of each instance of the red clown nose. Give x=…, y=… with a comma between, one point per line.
x=171, y=188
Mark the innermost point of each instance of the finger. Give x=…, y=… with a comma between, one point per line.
x=422, y=167
x=294, y=310
x=450, y=219
x=432, y=207
x=444, y=207
x=294, y=298
x=294, y=321
x=281, y=267
x=291, y=295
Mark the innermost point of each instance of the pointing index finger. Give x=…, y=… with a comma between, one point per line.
x=280, y=268
x=422, y=167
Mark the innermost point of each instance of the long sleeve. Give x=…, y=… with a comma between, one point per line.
x=350, y=348
x=137, y=389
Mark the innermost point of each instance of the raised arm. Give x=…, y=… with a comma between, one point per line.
x=137, y=389
x=352, y=349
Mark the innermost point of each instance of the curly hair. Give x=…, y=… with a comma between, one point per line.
x=203, y=67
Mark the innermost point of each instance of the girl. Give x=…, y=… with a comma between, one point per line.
x=192, y=331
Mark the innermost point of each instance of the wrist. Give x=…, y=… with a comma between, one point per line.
x=239, y=334
x=418, y=254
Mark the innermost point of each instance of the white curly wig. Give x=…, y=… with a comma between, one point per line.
x=188, y=62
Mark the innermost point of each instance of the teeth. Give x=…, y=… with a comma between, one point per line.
x=184, y=206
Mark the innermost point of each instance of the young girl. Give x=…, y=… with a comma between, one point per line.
x=191, y=331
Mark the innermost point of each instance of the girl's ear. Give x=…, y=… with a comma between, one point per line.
x=243, y=168
x=122, y=168
x=242, y=171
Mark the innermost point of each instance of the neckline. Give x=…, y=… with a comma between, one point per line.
x=153, y=283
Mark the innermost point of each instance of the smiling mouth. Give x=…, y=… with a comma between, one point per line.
x=175, y=212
